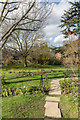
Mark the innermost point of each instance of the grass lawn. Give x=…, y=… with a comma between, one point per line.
x=27, y=106
x=12, y=78
x=68, y=107
x=69, y=102
x=23, y=106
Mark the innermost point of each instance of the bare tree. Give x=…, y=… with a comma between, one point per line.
x=22, y=42
x=15, y=15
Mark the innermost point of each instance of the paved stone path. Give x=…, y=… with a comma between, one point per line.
x=52, y=101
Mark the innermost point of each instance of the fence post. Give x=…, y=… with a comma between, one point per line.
x=41, y=82
x=46, y=80
x=64, y=76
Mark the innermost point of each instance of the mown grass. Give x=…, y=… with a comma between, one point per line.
x=69, y=103
x=69, y=109
x=11, y=78
x=23, y=106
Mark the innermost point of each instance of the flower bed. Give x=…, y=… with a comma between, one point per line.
x=69, y=86
x=12, y=91
x=70, y=93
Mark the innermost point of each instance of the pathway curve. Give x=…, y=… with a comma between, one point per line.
x=52, y=100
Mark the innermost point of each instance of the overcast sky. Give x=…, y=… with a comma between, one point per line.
x=52, y=31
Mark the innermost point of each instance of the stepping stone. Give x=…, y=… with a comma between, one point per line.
x=53, y=114
x=49, y=98
x=54, y=82
x=56, y=87
x=49, y=104
x=53, y=85
x=55, y=93
x=55, y=90
x=52, y=110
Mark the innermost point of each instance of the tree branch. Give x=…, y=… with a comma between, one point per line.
x=9, y=32
x=3, y=9
x=25, y=29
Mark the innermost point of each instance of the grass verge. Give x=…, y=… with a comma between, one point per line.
x=24, y=106
x=69, y=109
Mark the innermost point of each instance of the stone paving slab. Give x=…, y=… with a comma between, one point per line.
x=56, y=87
x=49, y=98
x=55, y=92
x=54, y=114
x=52, y=110
x=51, y=104
x=55, y=82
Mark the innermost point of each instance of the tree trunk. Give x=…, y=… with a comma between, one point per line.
x=25, y=61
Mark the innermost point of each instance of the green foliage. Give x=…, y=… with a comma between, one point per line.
x=56, y=62
x=69, y=108
x=15, y=80
x=26, y=99
x=3, y=78
x=69, y=86
x=69, y=99
x=12, y=91
x=70, y=19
